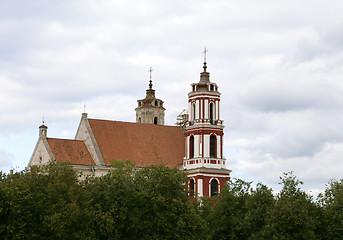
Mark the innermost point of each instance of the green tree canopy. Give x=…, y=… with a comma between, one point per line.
x=239, y=211
x=294, y=215
x=332, y=203
x=42, y=203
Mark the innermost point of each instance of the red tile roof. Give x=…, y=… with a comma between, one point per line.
x=72, y=151
x=144, y=144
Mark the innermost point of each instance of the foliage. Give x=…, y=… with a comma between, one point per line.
x=153, y=203
x=127, y=203
x=150, y=203
x=294, y=214
x=239, y=210
x=41, y=203
x=332, y=203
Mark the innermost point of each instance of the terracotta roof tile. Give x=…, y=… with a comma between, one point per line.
x=144, y=144
x=72, y=151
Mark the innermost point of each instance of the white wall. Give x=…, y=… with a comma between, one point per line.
x=40, y=152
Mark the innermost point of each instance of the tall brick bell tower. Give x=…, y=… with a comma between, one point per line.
x=204, y=160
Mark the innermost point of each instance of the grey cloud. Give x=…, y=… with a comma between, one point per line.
x=327, y=43
x=295, y=92
x=278, y=67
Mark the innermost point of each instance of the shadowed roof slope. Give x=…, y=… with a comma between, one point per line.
x=72, y=151
x=144, y=144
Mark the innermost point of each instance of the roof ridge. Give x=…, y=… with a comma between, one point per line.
x=134, y=123
x=65, y=139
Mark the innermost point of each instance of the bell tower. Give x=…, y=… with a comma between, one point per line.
x=204, y=160
x=150, y=109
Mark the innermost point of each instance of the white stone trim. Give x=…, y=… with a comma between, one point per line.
x=208, y=175
x=200, y=188
x=209, y=186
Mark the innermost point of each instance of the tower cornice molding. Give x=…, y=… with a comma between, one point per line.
x=204, y=93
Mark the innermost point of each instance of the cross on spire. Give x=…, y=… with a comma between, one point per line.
x=84, y=108
x=205, y=53
x=150, y=82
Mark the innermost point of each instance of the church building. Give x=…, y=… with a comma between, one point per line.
x=195, y=145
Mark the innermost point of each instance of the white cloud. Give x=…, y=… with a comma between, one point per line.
x=278, y=65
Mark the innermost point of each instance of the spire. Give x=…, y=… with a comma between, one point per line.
x=150, y=109
x=205, y=66
x=150, y=82
x=150, y=93
x=205, y=53
x=204, y=76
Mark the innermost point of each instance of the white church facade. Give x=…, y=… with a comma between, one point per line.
x=194, y=146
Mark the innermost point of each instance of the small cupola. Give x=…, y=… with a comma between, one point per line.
x=43, y=130
x=204, y=82
x=150, y=109
x=204, y=76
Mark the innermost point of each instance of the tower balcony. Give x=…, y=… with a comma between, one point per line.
x=192, y=163
x=205, y=121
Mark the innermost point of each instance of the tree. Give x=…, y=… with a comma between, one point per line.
x=259, y=205
x=294, y=215
x=149, y=203
x=42, y=203
x=239, y=211
x=332, y=203
x=114, y=200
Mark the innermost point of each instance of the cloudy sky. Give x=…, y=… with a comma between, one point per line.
x=278, y=63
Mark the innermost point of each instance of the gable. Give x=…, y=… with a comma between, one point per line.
x=144, y=144
x=84, y=133
x=41, y=154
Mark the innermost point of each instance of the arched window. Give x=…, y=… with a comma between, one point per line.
x=214, y=187
x=156, y=103
x=155, y=120
x=191, y=147
x=193, y=111
x=139, y=120
x=211, y=113
x=213, y=141
x=192, y=187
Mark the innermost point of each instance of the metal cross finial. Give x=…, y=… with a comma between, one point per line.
x=43, y=119
x=205, y=53
x=84, y=108
x=150, y=82
x=150, y=70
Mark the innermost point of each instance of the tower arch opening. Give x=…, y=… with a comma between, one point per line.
x=212, y=113
x=213, y=144
x=214, y=187
x=192, y=187
x=191, y=147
